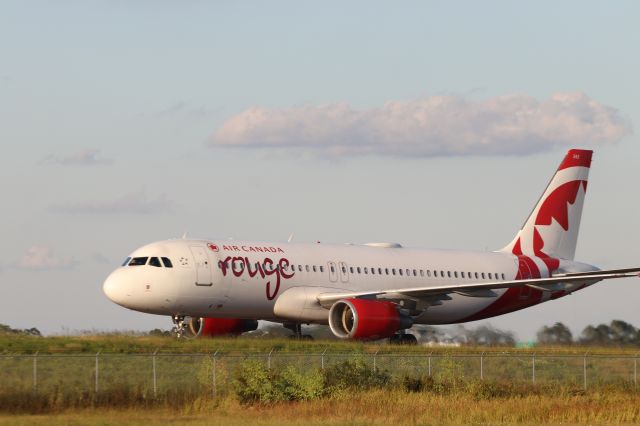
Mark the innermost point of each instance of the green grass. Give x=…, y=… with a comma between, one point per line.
x=127, y=344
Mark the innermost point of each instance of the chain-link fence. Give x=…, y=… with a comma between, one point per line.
x=158, y=374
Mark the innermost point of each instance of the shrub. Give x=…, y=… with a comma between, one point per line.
x=296, y=386
x=255, y=383
x=354, y=374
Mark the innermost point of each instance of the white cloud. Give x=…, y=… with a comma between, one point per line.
x=42, y=257
x=85, y=157
x=132, y=203
x=434, y=126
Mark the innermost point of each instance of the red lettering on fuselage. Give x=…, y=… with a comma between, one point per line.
x=239, y=265
x=253, y=249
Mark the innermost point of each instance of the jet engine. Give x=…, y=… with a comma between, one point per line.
x=366, y=319
x=211, y=327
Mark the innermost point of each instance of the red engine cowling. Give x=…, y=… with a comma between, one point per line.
x=210, y=327
x=366, y=319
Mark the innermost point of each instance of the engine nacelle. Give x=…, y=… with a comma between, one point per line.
x=210, y=327
x=366, y=319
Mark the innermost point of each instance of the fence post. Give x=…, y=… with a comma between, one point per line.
x=35, y=371
x=482, y=366
x=155, y=377
x=430, y=363
x=375, y=356
x=97, y=372
x=269, y=359
x=533, y=368
x=584, y=370
x=635, y=370
x=322, y=359
x=214, y=389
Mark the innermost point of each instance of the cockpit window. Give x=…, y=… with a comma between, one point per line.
x=167, y=262
x=154, y=261
x=126, y=261
x=137, y=261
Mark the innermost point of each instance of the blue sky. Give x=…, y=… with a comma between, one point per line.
x=126, y=122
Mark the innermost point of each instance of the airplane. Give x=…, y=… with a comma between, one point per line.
x=363, y=292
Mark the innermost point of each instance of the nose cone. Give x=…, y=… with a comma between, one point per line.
x=115, y=288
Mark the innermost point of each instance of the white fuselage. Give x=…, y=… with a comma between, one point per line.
x=241, y=279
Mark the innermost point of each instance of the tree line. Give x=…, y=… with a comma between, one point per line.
x=617, y=333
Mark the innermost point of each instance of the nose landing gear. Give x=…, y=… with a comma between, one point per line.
x=179, y=326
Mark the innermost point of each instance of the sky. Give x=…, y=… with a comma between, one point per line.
x=428, y=123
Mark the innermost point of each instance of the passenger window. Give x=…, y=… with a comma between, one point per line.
x=400, y=272
x=306, y=267
x=358, y=268
x=373, y=271
x=476, y=275
x=126, y=261
x=490, y=276
x=442, y=273
x=421, y=273
x=333, y=269
x=321, y=268
x=344, y=270
x=449, y=274
x=428, y=272
x=366, y=269
x=299, y=268
x=386, y=271
x=455, y=274
x=415, y=273
x=314, y=268
x=167, y=262
x=380, y=271
x=138, y=261
x=483, y=276
x=462, y=274
x=503, y=276
x=351, y=269
x=393, y=271
x=408, y=272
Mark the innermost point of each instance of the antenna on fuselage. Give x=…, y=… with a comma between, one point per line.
x=290, y=238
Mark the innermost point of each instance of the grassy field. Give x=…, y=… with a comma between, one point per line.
x=185, y=384
x=377, y=407
x=124, y=343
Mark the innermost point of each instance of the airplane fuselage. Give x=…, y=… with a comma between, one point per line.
x=242, y=279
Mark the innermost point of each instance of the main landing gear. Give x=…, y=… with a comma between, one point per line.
x=402, y=338
x=296, y=327
x=179, y=326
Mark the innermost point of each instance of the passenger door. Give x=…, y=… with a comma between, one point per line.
x=525, y=291
x=203, y=268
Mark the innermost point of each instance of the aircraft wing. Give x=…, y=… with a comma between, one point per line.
x=482, y=289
